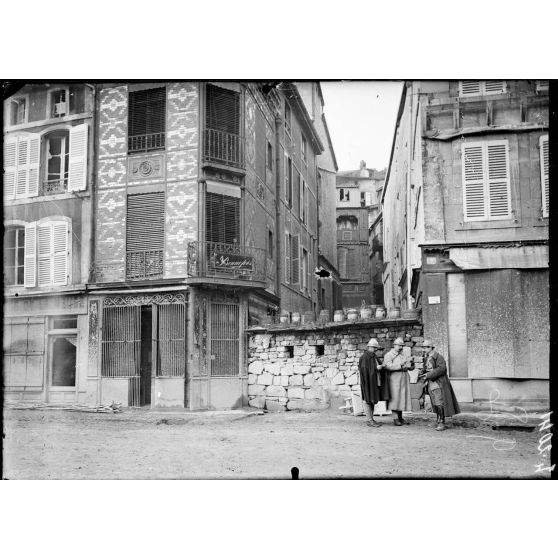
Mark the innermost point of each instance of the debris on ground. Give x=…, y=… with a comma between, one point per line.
x=114, y=407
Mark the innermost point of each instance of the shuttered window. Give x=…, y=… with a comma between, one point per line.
x=77, y=166
x=287, y=118
x=14, y=240
x=304, y=271
x=486, y=181
x=295, y=272
x=146, y=120
x=261, y=144
x=475, y=87
x=21, y=166
x=287, y=258
x=52, y=253
x=222, y=218
x=288, y=181
x=222, y=109
x=296, y=193
x=545, y=186
x=145, y=235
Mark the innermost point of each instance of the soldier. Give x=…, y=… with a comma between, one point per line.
x=438, y=385
x=399, y=387
x=374, y=385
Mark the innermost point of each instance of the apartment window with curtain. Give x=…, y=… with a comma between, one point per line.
x=146, y=120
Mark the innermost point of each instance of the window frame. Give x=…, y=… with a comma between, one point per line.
x=482, y=89
x=16, y=227
x=131, y=152
x=303, y=149
x=287, y=115
x=51, y=104
x=484, y=145
x=25, y=99
x=46, y=138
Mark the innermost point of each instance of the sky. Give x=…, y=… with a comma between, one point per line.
x=361, y=120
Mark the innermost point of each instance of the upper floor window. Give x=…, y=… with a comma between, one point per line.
x=57, y=161
x=222, y=218
x=488, y=87
x=14, y=238
x=47, y=253
x=292, y=274
x=542, y=85
x=543, y=146
x=303, y=149
x=58, y=102
x=146, y=120
x=145, y=235
x=344, y=194
x=304, y=271
x=21, y=166
x=287, y=118
x=18, y=111
x=288, y=181
x=486, y=181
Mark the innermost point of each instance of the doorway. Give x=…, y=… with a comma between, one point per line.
x=146, y=355
x=62, y=385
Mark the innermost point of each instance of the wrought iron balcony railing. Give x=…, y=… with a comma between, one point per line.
x=50, y=187
x=146, y=142
x=223, y=148
x=216, y=259
x=144, y=264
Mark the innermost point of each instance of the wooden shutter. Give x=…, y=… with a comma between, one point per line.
x=543, y=146
x=22, y=166
x=222, y=109
x=498, y=180
x=33, y=165
x=145, y=224
x=473, y=182
x=77, y=175
x=30, y=258
x=295, y=259
x=296, y=192
x=287, y=258
x=60, y=253
x=10, y=167
x=261, y=144
x=302, y=211
x=494, y=86
x=470, y=87
x=44, y=234
x=222, y=218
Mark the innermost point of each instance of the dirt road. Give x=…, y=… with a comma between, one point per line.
x=52, y=444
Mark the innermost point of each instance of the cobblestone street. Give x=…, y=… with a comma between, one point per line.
x=137, y=444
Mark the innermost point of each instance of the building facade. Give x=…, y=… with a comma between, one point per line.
x=465, y=211
x=206, y=221
x=48, y=184
x=358, y=208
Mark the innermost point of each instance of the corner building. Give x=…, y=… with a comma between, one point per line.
x=205, y=222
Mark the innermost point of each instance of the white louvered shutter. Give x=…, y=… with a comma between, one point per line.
x=30, y=269
x=22, y=166
x=543, y=146
x=295, y=259
x=44, y=249
x=499, y=206
x=60, y=252
x=494, y=86
x=77, y=175
x=301, y=202
x=470, y=87
x=33, y=165
x=10, y=167
x=473, y=182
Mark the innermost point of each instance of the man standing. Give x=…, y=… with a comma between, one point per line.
x=439, y=387
x=399, y=388
x=374, y=386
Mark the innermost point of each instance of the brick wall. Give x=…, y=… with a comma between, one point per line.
x=309, y=380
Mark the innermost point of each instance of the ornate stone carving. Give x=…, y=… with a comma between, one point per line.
x=93, y=329
x=146, y=167
x=140, y=300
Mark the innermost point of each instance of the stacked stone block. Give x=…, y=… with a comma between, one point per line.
x=308, y=380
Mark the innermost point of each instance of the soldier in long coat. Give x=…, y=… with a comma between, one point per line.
x=400, y=390
x=438, y=385
x=374, y=384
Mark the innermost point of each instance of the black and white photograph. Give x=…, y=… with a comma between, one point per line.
x=215, y=274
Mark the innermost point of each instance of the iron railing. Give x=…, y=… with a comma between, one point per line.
x=146, y=142
x=223, y=147
x=50, y=187
x=144, y=264
x=217, y=259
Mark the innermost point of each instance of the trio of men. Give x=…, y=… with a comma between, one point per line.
x=389, y=381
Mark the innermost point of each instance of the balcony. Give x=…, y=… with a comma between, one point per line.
x=146, y=142
x=223, y=148
x=226, y=261
x=144, y=264
x=51, y=187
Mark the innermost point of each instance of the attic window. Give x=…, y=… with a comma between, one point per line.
x=18, y=111
x=58, y=103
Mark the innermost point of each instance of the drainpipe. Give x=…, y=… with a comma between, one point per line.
x=408, y=201
x=278, y=123
x=92, y=212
